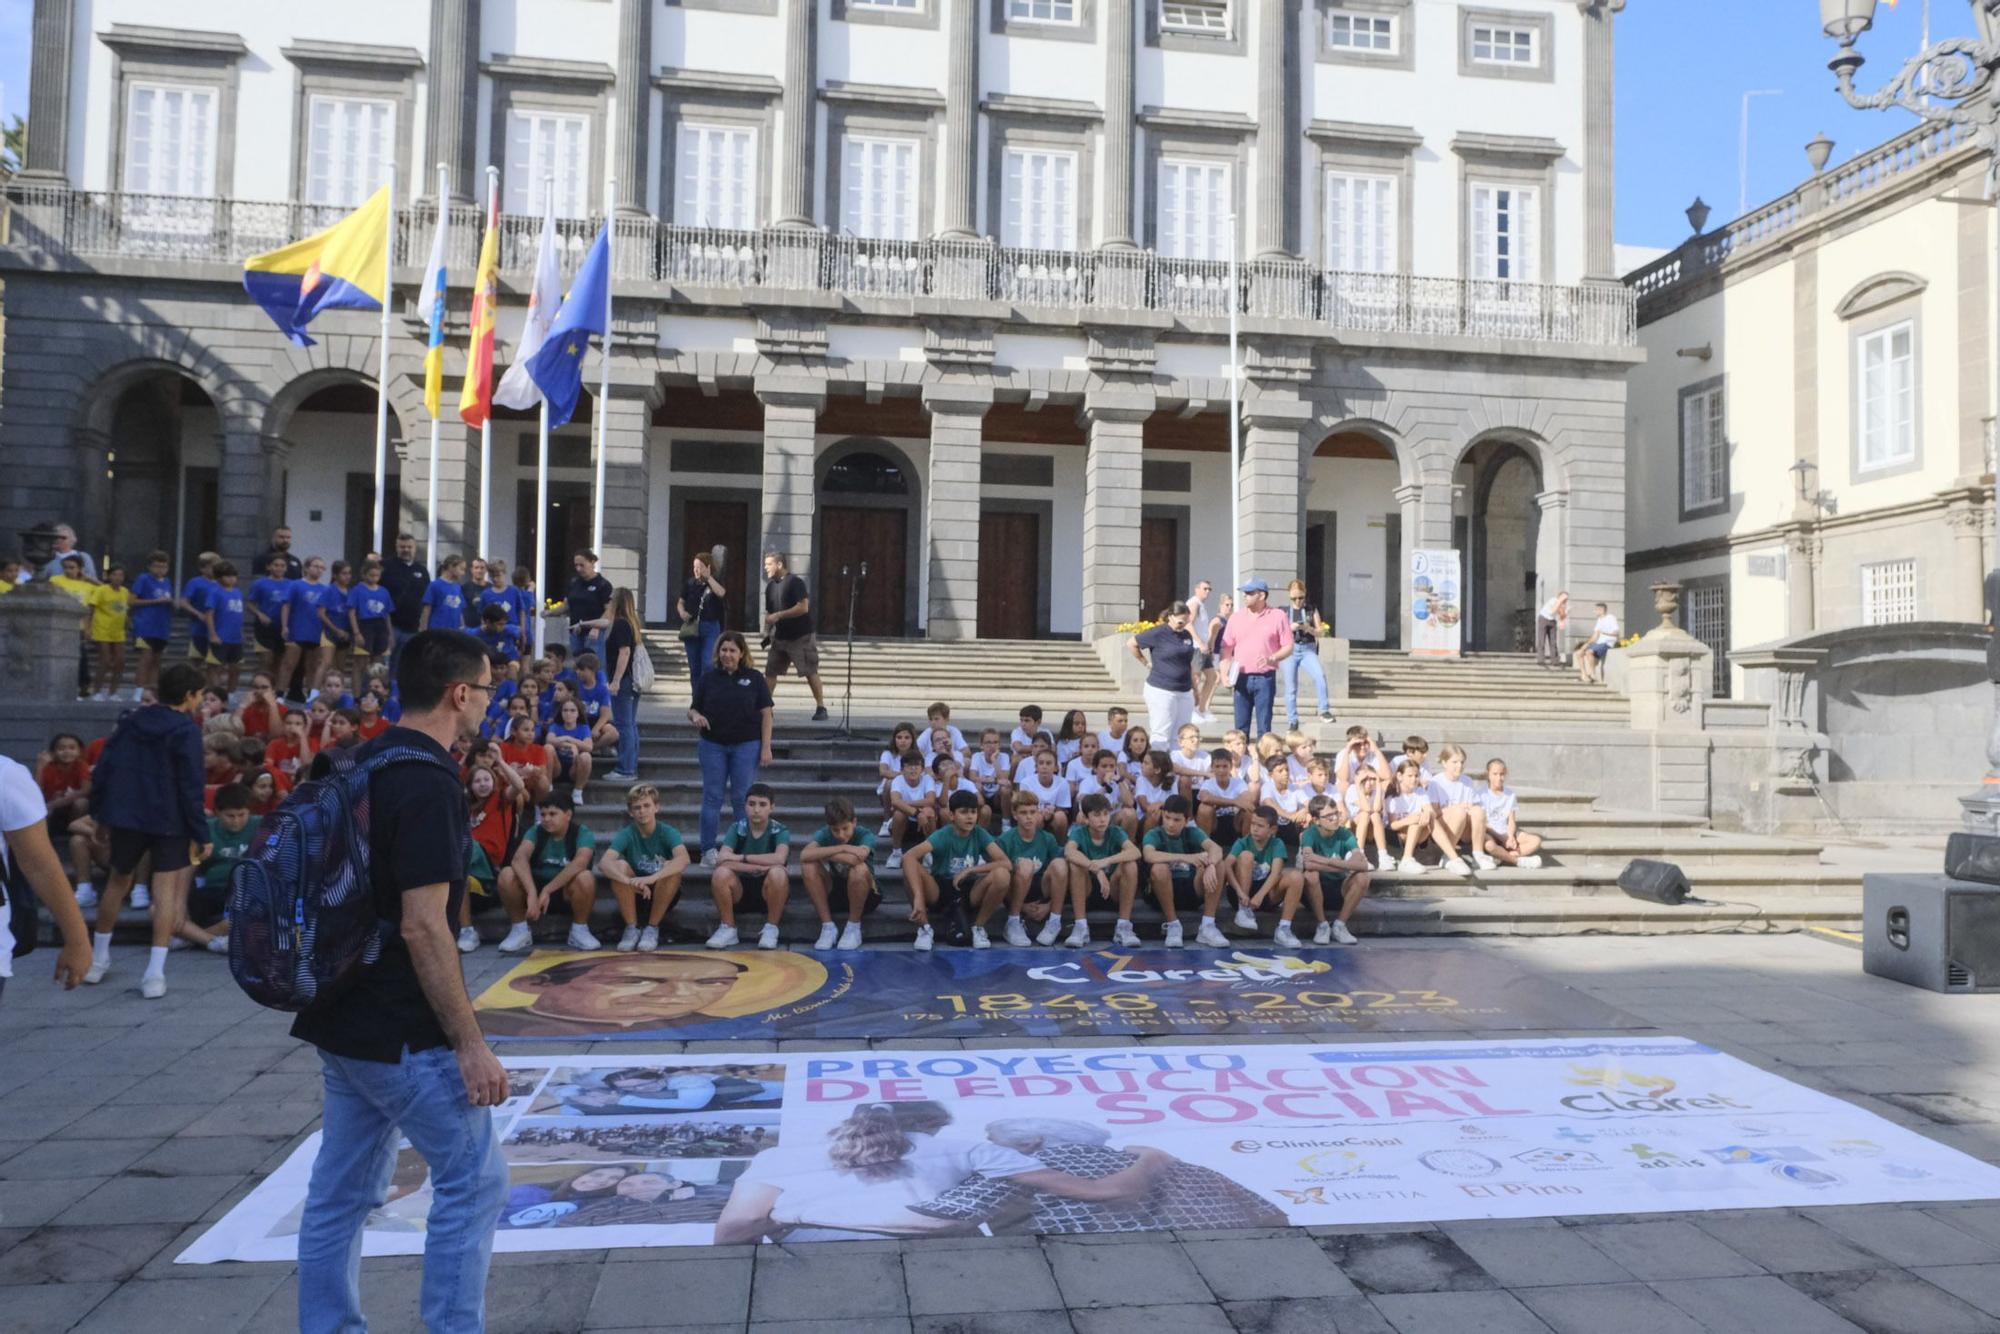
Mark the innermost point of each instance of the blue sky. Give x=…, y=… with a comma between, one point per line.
x=1683, y=66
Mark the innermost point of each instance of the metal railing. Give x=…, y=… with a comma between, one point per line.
x=701, y=260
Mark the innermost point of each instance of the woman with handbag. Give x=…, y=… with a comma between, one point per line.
x=630, y=672
x=701, y=605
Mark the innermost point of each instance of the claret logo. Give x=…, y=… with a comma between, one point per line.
x=1614, y=1089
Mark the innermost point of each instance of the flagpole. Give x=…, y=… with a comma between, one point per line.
x=542, y=488
x=603, y=378
x=431, y=490
x=486, y=427
x=1235, y=446
x=382, y=372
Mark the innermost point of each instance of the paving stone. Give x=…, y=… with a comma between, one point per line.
x=69, y=1157
x=996, y=1322
x=1536, y=1256
x=672, y=1292
x=1406, y=1262
x=269, y=1118
x=1759, y=1304
x=52, y=1308
x=33, y=1203
x=949, y=1282
x=1786, y=1243
x=1184, y=1319
x=1977, y=1285
x=1144, y=1272
x=1885, y=1301
x=885, y=1324
x=1981, y=1220
x=1907, y=1236
x=148, y=1122
x=535, y=1300
x=131, y=1199
x=1458, y=1313
x=1628, y=1308
x=1324, y=1315
x=219, y=1305
x=1275, y=1267
x=1666, y=1250
x=83, y=1254
x=209, y=1155
x=837, y=1285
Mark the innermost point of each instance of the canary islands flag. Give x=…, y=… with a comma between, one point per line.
x=430, y=304
x=557, y=369
x=339, y=267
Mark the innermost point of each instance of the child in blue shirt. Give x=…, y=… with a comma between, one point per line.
x=152, y=617
x=225, y=621
x=595, y=696
x=299, y=621
x=268, y=597
x=333, y=616
x=194, y=601
x=444, y=600
x=368, y=608
x=499, y=640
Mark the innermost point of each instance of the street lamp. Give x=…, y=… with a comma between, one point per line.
x=1955, y=82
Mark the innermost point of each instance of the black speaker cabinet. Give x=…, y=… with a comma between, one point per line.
x=1654, y=881
x=1931, y=931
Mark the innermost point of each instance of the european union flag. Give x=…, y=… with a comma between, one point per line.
x=557, y=369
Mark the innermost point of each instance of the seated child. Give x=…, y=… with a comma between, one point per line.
x=554, y=859
x=1505, y=842
x=993, y=775
x=1184, y=868
x=1108, y=780
x=1412, y=818
x=1461, y=816
x=1332, y=864
x=1050, y=792
x=1040, y=876
x=840, y=860
x=1190, y=761
x=752, y=852
x=1155, y=785
x=646, y=859
x=913, y=806
x=1103, y=861
x=901, y=740
x=959, y=869
x=1223, y=801
x=230, y=834
x=1257, y=872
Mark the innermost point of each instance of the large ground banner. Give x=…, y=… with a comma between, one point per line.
x=758, y=994
x=658, y=1151
x=1436, y=606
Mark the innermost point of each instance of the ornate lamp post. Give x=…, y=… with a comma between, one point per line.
x=1956, y=81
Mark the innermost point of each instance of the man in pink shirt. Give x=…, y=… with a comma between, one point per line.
x=1258, y=638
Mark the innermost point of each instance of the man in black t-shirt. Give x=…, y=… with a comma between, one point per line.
x=407, y=583
x=281, y=546
x=788, y=630
x=401, y=1050
x=586, y=600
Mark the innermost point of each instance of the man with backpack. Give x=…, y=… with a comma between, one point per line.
x=401, y=1050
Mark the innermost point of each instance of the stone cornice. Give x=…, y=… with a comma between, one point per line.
x=308, y=53
x=133, y=39
x=548, y=70
x=843, y=93
x=1040, y=108
x=1358, y=132
x=761, y=86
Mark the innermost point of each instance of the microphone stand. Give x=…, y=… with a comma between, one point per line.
x=854, y=582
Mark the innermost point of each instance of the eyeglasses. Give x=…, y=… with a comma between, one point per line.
x=475, y=685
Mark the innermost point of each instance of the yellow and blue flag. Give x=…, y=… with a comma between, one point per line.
x=557, y=369
x=430, y=304
x=339, y=268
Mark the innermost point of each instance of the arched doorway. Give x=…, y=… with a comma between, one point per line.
x=1504, y=581
x=1351, y=548
x=867, y=502
x=162, y=467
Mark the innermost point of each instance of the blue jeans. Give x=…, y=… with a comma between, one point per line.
x=1255, y=692
x=625, y=717
x=1304, y=658
x=581, y=641
x=701, y=649
x=369, y=1104
x=737, y=766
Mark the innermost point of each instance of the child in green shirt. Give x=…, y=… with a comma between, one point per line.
x=1331, y=862
x=964, y=859
x=1040, y=876
x=1101, y=857
x=840, y=859
x=554, y=859
x=229, y=837
x=647, y=858
x=753, y=851
x=1183, y=865
x=1257, y=870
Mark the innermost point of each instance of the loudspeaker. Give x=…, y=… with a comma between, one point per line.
x=1655, y=882
x=1931, y=931
x=1973, y=857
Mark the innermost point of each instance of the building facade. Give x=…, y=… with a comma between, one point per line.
x=1812, y=428
x=942, y=286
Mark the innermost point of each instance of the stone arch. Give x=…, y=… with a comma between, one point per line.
x=128, y=445
x=300, y=372
x=1504, y=544
x=882, y=525
x=107, y=372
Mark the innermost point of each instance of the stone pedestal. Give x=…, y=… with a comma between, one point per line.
x=39, y=626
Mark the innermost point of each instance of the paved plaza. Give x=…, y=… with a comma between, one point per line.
x=127, y=1127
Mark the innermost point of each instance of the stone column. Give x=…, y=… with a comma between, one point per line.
x=792, y=404
x=951, y=507
x=1599, y=65
x=1111, y=506
x=797, y=117
x=1802, y=548
x=635, y=105
x=959, y=219
x=453, y=100
x=90, y=462
x=457, y=490
x=1966, y=599
x=1272, y=489
x=48, y=92
x=627, y=480
x=1409, y=501
x=1552, y=547
x=1119, y=61
x=1276, y=188
x=243, y=482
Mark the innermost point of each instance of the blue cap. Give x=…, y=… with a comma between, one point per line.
x=1255, y=586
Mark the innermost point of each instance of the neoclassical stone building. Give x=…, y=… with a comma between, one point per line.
x=939, y=285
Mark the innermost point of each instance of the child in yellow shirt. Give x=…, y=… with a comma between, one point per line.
x=72, y=582
x=110, y=613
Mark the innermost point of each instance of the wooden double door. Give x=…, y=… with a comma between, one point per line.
x=1011, y=577
x=852, y=536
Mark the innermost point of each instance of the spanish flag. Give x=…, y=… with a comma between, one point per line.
x=475, y=401
x=341, y=267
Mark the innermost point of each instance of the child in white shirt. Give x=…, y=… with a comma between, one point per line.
x=1022, y=742
x=1083, y=763
x=949, y=777
x=1026, y=768
x=1109, y=781
x=1138, y=744
x=1190, y=761
x=891, y=764
x=1244, y=761
x=1504, y=840
x=913, y=806
x=1155, y=785
x=1413, y=819
x=989, y=769
x=1364, y=806
x=1416, y=751
x=1051, y=793
x=1074, y=728
x=939, y=716
x=1300, y=747
x=1290, y=804
x=1358, y=753
x=1116, y=720
x=1461, y=817
x=1223, y=801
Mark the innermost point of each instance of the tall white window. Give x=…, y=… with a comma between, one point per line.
x=1194, y=209
x=1704, y=450
x=1506, y=232
x=1210, y=18
x=1886, y=395
x=1889, y=592
x=1496, y=44
x=878, y=187
x=1361, y=223
x=351, y=142
x=1038, y=200
x=541, y=144
x=716, y=176
x=170, y=136
x=1361, y=33
x=1041, y=11
x=1706, y=612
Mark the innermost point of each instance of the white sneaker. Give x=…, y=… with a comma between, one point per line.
x=96, y=972
x=767, y=939
x=581, y=939
x=1483, y=862
x=1017, y=936
x=649, y=940
x=1246, y=920
x=142, y=897
x=86, y=896
x=152, y=988
x=895, y=858
x=468, y=940
x=1123, y=936
x=1384, y=863
x=711, y=857
x=884, y=831
x=138, y=694
x=1079, y=936
x=925, y=939
x=828, y=935
x=1533, y=863
x=178, y=943
x=1211, y=937
x=1171, y=936
x=723, y=938
x=1050, y=933
x=1284, y=939
x=218, y=944
x=1457, y=866
x=628, y=940
x=1343, y=935
x=850, y=937
x=1323, y=934
x=980, y=940
x=1200, y=717
x=1411, y=866
x=520, y=939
